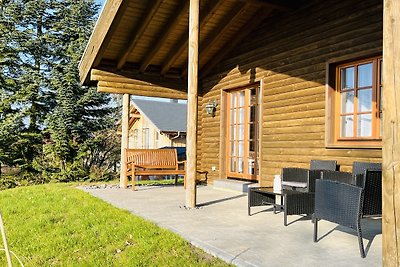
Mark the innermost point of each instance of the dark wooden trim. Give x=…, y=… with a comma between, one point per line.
x=217, y=34
x=181, y=45
x=106, y=25
x=280, y=5
x=137, y=33
x=165, y=32
x=242, y=34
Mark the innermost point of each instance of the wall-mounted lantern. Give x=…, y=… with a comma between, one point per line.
x=210, y=107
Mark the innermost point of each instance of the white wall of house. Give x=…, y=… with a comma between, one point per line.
x=143, y=134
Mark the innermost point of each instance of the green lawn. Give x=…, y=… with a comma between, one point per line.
x=59, y=225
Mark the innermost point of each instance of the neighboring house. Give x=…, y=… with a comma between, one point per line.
x=156, y=124
x=293, y=80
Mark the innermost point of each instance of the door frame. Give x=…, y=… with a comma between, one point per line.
x=224, y=157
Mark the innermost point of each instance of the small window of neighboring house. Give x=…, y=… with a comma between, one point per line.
x=135, y=138
x=157, y=138
x=146, y=138
x=355, y=104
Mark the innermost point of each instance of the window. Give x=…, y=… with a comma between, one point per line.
x=357, y=94
x=135, y=138
x=157, y=140
x=146, y=138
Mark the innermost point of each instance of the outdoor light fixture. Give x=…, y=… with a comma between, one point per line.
x=210, y=107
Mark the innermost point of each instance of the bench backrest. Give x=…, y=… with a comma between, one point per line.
x=153, y=158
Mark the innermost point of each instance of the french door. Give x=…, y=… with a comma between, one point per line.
x=242, y=136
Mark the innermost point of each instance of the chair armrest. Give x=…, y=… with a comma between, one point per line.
x=338, y=202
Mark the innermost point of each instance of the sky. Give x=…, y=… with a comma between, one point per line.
x=100, y=2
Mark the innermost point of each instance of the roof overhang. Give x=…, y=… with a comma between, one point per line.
x=146, y=42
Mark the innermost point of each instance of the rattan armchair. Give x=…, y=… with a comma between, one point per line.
x=340, y=203
x=303, y=180
x=343, y=177
x=372, y=186
x=360, y=167
x=372, y=193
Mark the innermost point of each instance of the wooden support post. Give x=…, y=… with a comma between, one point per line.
x=191, y=135
x=391, y=134
x=123, y=180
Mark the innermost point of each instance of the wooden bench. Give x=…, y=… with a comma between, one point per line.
x=153, y=162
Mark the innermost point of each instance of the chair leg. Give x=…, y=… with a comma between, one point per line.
x=176, y=180
x=315, y=229
x=360, y=242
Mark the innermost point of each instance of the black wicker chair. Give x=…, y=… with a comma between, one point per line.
x=372, y=193
x=303, y=180
x=339, y=203
x=372, y=186
x=360, y=167
x=343, y=177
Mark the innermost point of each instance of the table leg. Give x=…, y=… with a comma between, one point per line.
x=284, y=210
x=248, y=203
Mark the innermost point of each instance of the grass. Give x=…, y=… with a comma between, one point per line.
x=59, y=225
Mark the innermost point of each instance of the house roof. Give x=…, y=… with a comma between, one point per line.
x=148, y=40
x=166, y=116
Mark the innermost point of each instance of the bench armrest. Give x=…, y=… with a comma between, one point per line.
x=182, y=162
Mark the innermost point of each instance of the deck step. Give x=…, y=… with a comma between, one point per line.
x=233, y=185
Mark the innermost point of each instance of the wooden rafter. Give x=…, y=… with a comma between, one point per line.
x=165, y=32
x=183, y=41
x=106, y=25
x=239, y=37
x=148, y=16
x=217, y=34
x=276, y=4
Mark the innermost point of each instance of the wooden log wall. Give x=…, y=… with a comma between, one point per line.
x=288, y=55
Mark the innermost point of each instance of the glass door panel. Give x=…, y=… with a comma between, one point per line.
x=242, y=122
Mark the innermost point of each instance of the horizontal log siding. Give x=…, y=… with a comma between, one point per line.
x=289, y=54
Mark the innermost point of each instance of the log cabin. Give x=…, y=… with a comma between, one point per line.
x=288, y=81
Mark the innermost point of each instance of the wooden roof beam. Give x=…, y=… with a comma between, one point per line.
x=183, y=42
x=123, y=79
x=241, y=35
x=165, y=32
x=107, y=23
x=217, y=35
x=276, y=4
x=137, y=33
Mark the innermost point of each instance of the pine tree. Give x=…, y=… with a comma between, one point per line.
x=80, y=111
x=42, y=101
x=10, y=118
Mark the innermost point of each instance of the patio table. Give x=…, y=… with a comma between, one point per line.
x=292, y=202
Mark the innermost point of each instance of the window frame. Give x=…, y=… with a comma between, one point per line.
x=333, y=104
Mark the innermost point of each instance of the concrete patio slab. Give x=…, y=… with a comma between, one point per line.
x=221, y=227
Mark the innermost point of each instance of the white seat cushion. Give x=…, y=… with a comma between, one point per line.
x=294, y=184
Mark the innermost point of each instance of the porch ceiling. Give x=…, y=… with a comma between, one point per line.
x=146, y=40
